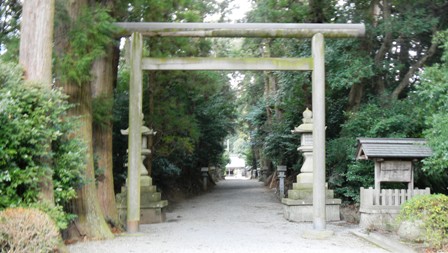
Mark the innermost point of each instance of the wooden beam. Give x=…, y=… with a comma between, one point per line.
x=199, y=63
x=259, y=30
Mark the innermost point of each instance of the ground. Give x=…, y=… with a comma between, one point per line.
x=236, y=216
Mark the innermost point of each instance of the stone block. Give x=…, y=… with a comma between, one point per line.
x=413, y=231
x=145, y=181
x=308, y=194
x=148, y=197
x=304, y=212
x=302, y=186
x=151, y=216
x=378, y=221
x=305, y=178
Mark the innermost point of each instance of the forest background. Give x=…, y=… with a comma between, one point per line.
x=63, y=143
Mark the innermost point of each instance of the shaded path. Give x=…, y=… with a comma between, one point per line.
x=237, y=216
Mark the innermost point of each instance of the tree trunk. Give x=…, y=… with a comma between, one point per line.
x=102, y=88
x=380, y=85
x=406, y=80
x=270, y=91
x=90, y=222
x=36, y=40
x=355, y=96
x=317, y=11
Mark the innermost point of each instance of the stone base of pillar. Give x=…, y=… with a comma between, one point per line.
x=151, y=204
x=302, y=210
x=152, y=215
x=299, y=204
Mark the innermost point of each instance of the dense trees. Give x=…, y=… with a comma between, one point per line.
x=192, y=112
x=373, y=85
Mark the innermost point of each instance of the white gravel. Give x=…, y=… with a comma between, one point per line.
x=236, y=216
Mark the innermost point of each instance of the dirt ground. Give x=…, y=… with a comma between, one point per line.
x=236, y=216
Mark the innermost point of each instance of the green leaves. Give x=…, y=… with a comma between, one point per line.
x=87, y=36
x=432, y=210
x=432, y=98
x=34, y=141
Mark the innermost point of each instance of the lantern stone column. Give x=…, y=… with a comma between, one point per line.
x=204, y=172
x=151, y=204
x=298, y=206
x=281, y=169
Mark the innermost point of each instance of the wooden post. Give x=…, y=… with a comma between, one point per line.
x=318, y=96
x=135, y=136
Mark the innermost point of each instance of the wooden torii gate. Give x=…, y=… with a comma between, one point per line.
x=315, y=63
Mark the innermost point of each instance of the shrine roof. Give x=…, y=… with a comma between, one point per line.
x=400, y=148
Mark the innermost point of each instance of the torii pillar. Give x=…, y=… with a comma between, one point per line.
x=135, y=135
x=318, y=97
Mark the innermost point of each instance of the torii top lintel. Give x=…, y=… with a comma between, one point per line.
x=235, y=30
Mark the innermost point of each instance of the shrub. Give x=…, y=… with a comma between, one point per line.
x=27, y=230
x=35, y=140
x=432, y=210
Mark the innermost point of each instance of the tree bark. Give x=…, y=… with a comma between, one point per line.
x=36, y=40
x=385, y=47
x=90, y=222
x=102, y=88
x=355, y=96
x=317, y=11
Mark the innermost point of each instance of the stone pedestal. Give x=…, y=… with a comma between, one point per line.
x=299, y=208
x=299, y=204
x=151, y=204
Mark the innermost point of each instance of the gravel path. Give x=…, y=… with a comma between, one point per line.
x=237, y=216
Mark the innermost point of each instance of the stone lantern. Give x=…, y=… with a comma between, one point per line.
x=151, y=205
x=145, y=178
x=305, y=178
x=298, y=206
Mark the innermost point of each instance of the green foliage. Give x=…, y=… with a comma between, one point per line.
x=87, y=36
x=432, y=96
x=347, y=175
x=10, y=12
x=27, y=230
x=432, y=210
x=35, y=141
x=102, y=110
x=56, y=213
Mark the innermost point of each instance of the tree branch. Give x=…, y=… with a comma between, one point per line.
x=405, y=82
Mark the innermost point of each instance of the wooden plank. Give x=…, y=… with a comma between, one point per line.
x=402, y=196
x=202, y=63
x=396, y=197
x=240, y=30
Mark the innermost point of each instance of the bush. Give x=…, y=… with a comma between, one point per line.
x=27, y=230
x=432, y=210
x=35, y=141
